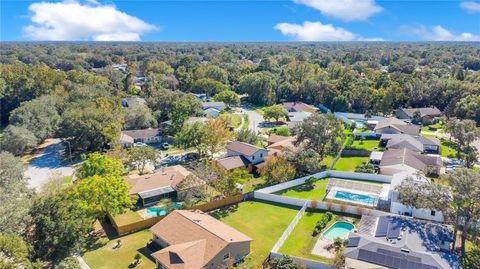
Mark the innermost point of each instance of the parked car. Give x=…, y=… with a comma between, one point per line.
x=140, y=144
x=165, y=145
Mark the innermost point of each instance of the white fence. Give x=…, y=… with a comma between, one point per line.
x=324, y=174
x=328, y=206
x=289, y=229
x=309, y=264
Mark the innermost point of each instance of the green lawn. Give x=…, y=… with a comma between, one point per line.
x=447, y=148
x=349, y=163
x=128, y=217
x=252, y=184
x=263, y=222
x=301, y=242
x=105, y=257
x=327, y=161
x=304, y=192
x=371, y=145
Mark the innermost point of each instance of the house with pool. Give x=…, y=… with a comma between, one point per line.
x=400, y=242
x=149, y=189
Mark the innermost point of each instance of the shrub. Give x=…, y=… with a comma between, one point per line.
x=322, y=223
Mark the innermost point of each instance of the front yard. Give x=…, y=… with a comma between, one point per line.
x=349, y=163
x=301, y=241
x=263, y=222
x=104, y=256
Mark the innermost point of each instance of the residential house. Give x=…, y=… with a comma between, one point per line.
x=196, y=240
x=242, y=155
x=426, y=114
x=396, y=126
x=151, y=188
x=150, y=135
x=133, y=101
x=277, y=144
x=120, y=67
x=295, y=118
x=200, y=96
x=398, y=243
x=217, y=105
x=397, y=207
x=212, y=112
x=399, y=160
x=415, y=143
x=298, y=107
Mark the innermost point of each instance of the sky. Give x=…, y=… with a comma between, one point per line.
x=240, y=20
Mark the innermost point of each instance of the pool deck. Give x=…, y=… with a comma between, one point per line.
x=320, y=248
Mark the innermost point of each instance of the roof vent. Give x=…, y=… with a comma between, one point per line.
x=406, y=250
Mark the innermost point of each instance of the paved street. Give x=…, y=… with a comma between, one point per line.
x=47, y=164
x=254, y=119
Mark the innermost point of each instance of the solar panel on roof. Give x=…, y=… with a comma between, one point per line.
x=353, y=242
x=382, y=226
x=398, y=255
x=391, y=261
x=393, y=231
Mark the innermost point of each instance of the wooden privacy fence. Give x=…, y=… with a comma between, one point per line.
x=149, y=222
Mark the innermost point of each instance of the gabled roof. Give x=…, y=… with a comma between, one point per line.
x=167, y=177
x=298, y=107
x=213, y=104
x=424, y=111
x=398, y=125
x=234, y=162
x=410, y=158
x=415, y=143
x=142, y=133
x=194, y=238
x=276, y=138
x=243, y=148
x=298, y=116
x=286, y=143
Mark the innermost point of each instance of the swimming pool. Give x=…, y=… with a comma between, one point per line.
x=338, y=229
x=158, y=211
x=356, y=198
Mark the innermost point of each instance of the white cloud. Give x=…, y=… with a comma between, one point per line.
x=438, y=33
x=316, y=31
x=347, y=10
x=471, y=6
x=71, y=20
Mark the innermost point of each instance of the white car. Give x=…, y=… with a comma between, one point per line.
x=140, y=144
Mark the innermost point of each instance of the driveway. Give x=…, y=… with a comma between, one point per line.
x=47, y=164
x=254, y=119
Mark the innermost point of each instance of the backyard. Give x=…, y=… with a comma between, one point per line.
x=263, y=222
x=104, y=256
x=369, y=144
x=349, y=163
x=305, y=192
x=301, y=241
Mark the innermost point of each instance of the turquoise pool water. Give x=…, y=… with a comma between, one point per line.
x=355, y=197
x=159, y=211
x=338, y=229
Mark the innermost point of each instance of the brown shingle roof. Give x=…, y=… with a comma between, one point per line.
x=169, y=176
x=230, y=163
x=193, y=237
x=398, y=125
x=276, y=138
x=298, y=107
x=424, y=111
x=142, y=133
x=243, y=148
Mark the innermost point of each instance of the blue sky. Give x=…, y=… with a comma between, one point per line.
x=241, y=20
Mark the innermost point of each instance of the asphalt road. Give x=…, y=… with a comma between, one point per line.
x=47, y=164
x=254, y=119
